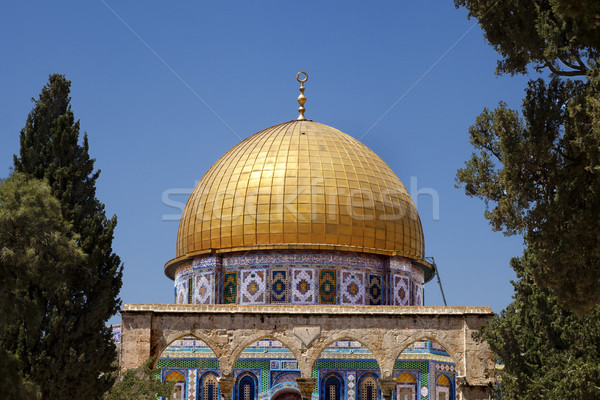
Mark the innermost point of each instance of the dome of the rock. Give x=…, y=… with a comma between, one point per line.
x=300, y=213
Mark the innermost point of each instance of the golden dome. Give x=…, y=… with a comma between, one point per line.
x=299, y=185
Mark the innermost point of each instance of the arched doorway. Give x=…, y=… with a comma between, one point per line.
x=287, y=395
x=347, y=370
x=197, y=369
x=425, y=369
x=266, y=369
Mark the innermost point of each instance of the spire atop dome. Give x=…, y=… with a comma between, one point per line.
x=301, y=98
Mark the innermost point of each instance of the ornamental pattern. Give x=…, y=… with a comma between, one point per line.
x=352, y=288
x=374, y=290
x=327, y=286
x=249, y=279
x=230, y=288
x=401, y=290
x=181, y=296
x=303, y=286
x=203, y=288
x=280, y=286
x=299, y=258
x=253, y=287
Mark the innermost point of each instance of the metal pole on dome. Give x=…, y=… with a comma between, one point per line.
x=432, y=260
x=301, y=98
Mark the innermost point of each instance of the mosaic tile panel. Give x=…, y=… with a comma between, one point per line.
x=418, y=295
x=300, y=258
x=206, y=262
x=336, y=365
x=183, y=271
x=230, y=288
x=446, y=367
x=351, y=385
x=303, y=286
x=352, y=288
x=327, y=286
x=188, y=363
x=299, y=278
x=374, y=290
x=203, y=288
x=401, y=290
x=192, y=384
x=181, y=296
x=253, y=287
x=280, y=286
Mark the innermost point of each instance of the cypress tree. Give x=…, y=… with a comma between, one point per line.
x=74, y=353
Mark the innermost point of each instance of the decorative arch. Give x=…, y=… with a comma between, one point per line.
x=368, y=388
x=331, y=340
x=287, y=394
x=196, y=350
x=286, y=377
x=165, y=341
x=406, y=377
x=246, y=387
x=331, y=387
x=430, y=337
x=406, y=386
x=249, y=340
x=338, y=337
x=444, y=387
x=179, y=389
x=209, y=386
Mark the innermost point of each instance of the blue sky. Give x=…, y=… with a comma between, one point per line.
x=163, y=89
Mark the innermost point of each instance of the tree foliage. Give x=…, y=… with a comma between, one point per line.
x=139, y=384
x=561, y=35
x=542, y=174
x=77, y=347
x=35, y=242
x=539, y=170
x=548, y=352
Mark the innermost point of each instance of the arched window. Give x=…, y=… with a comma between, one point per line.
x=368, y=388
x=443, y=387
x=210, y=388
x=179, y=388
x=246, y=388
x=406, y=387
x=332, y=388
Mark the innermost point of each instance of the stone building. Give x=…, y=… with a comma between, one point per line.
x=299, y=274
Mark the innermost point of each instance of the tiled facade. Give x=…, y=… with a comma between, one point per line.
x=299, y=278
x=424, y=369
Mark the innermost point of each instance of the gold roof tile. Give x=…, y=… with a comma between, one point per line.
x=300, y=184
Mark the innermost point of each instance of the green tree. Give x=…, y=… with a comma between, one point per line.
x=548, y=352
x=78, y=352
x=561, y=35
x=35, y=241
x=139, y=384
x=539, y=171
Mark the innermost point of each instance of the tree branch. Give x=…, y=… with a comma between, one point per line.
x=582, y=65
x=568, y=63
x=559, y=72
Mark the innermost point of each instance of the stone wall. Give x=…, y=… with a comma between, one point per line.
x=147, y=329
